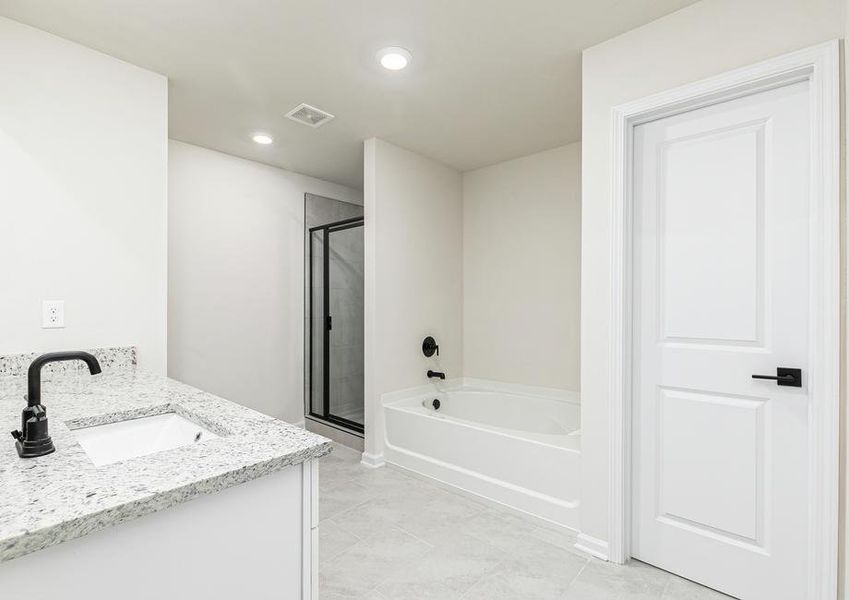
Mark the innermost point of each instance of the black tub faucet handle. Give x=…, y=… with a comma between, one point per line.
x=430, y=347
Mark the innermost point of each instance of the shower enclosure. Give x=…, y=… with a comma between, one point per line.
x=335, y=333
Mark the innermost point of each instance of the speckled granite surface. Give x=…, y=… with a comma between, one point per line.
x=110, y=359
x=63, y=496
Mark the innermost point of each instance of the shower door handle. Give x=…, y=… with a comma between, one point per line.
x=329, y=323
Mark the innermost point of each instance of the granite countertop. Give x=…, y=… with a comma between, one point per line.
x=62, y=496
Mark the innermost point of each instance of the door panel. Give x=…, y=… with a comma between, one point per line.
x=710, y=211
x=346, y=358
x=687, y=435
x=721, y=280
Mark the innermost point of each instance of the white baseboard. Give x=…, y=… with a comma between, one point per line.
x=592, y=546
x=373, y=461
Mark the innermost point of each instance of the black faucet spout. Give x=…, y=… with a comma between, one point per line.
x=436, y=374
x=34, y=372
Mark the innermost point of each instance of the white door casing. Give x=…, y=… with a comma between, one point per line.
x=723, y=467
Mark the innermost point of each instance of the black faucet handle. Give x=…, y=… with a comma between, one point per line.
x=430, y=347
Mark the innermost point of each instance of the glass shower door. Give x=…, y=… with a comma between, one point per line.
x=337, y=327
x=346, y=338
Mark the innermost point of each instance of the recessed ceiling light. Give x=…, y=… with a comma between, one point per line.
x=394, y=58
x=262, y=138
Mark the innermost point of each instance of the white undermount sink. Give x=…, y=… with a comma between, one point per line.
x=106, y=444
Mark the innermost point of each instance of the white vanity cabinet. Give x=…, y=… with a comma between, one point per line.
x=256, y=540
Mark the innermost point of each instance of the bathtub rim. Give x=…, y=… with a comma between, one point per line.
x=407, y=400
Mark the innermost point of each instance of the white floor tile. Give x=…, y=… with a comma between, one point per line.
x=511, y=583
x=337, y=497
x=445, y=573
x=605, y=581
x=368, y=563
x=385, y=535
x=681, y=589
x=333, y=540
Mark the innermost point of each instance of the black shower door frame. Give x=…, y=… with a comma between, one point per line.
x=327, y=321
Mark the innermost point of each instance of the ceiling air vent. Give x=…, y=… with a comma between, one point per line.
x=309, y=115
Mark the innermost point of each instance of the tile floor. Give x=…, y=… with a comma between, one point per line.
x=388, y=536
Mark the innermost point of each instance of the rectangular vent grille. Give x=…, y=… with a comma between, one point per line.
x=309, y=115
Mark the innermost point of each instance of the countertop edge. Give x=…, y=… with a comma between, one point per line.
x=32, y=541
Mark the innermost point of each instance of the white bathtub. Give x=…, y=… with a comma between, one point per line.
x=517, y=448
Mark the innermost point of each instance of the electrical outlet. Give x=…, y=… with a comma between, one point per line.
x=53, y=314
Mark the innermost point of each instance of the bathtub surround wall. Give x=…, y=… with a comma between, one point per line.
x=705, y=39
x=496, y=255
x=83, y=192
x=413, y=273
x=521, y=270
x=236, y=277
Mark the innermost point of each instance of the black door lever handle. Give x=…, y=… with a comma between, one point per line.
x=784, y=376
x=775, y=377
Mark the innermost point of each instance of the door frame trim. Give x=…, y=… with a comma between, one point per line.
x=819, y=65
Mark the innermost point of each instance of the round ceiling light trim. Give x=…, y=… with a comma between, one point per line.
x=394, y=58
x=262, y=138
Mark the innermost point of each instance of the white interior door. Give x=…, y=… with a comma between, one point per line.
x=722, y=285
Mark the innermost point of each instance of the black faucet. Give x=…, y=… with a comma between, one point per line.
x=33, y=439
x=437, y=374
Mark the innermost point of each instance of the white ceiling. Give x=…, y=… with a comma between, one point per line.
x=490, y=80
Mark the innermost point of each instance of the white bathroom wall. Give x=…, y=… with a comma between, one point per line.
x=83, y=191
x=236, y=277
x=843, y=535
x=521, y=270
x=414, y=274
x=705, y=39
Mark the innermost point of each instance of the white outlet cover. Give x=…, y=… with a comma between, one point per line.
x=53, y=314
